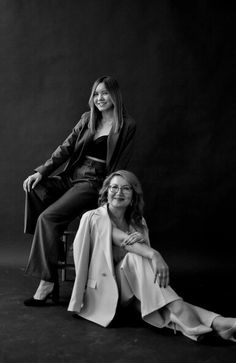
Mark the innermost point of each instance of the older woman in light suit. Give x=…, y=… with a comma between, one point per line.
x=116, y=264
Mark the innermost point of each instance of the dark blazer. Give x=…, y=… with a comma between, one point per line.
x=73, y=149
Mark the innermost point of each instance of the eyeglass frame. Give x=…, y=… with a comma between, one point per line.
x=127, y=192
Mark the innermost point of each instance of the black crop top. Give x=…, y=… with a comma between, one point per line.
x=98, y=148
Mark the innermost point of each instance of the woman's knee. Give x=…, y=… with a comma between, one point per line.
x=37, y=195
x=53, y=216
x=46, y=217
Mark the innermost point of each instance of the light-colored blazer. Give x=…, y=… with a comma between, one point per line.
x=95, y=292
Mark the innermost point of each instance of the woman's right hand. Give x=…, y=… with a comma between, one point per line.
x=134, y=237
x=31, y=182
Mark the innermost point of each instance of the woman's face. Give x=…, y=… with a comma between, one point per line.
x=120, y=193
x=101, y=98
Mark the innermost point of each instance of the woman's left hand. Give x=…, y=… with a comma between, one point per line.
x=161, y=269
x=134, y=237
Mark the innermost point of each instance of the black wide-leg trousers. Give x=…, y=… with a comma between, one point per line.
x=49, y=208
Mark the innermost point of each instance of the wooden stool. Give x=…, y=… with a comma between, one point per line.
x=67, y=264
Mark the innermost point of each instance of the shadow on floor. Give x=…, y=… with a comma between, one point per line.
x=51, y=334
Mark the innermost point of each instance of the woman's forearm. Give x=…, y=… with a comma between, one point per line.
x=141, y=249
x=159, y=266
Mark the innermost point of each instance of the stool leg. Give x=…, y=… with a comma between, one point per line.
x=63, y=268
x=66, y=264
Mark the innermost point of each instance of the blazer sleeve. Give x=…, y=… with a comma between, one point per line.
x=63, y=151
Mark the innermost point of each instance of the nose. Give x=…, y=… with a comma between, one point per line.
x=100, y=96
x=119, y=191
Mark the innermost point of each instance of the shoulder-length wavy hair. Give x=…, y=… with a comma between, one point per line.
x=134, y=212
x=113, y=88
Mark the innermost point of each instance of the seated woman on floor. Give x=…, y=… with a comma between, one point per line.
x=116, y=264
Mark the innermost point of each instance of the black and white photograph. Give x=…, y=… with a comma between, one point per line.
x=118, y=181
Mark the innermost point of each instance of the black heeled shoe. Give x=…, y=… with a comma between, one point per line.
x=53, y=295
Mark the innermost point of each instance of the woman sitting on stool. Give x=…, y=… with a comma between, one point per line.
x=115, y=263
x=100, y=143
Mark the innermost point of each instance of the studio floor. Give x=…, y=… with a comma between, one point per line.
x=51, y=334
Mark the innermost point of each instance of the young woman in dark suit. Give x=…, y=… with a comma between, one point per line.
x=99, y=144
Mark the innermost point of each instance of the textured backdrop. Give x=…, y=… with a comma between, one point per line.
x=175, y=62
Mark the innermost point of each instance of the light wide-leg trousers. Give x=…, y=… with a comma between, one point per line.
x=135, y=278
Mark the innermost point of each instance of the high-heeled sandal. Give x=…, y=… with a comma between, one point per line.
x=53, y=295
x=191, y=332
x=229, y=334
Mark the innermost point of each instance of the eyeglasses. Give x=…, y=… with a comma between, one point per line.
x=125, y=189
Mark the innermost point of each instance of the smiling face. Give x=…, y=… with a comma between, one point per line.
x=102, y=99
x=120, y=193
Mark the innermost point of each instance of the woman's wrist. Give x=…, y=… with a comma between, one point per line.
x=153, y=253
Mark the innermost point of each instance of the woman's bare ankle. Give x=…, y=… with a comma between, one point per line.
x=176, y=307
x=184, y=313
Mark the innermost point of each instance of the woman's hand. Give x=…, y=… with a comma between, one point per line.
x=160, y=269
x=31, y=181
x=134, y=237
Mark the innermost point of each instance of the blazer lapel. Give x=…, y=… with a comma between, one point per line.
x=81, y=146
x=111, y=144
x=105, y=233
x=87, y=137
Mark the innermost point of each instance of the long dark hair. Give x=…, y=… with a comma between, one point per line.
x=113, y=88
x=134, y=212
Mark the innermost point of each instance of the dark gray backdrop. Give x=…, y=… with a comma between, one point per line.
x=175, y=61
